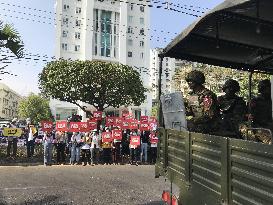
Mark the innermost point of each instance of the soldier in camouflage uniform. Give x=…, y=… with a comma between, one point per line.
x=202, y=108
x=232, y=109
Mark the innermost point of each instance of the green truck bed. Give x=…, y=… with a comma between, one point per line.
x=216, y=170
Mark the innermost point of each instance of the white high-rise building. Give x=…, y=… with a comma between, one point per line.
x=168, y=70
x=106, y=30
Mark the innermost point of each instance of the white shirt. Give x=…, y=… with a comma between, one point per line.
x=30, y=135
x=76, y=138
x=95, y=141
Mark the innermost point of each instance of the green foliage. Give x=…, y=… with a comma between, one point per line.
x=216, y=77
x=36, y=108
x=154, y=111
x=101, y=84
x=10, y=39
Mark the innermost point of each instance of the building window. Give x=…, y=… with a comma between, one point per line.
x=78, y=23
x=141, y=20
x=141, y=32
x=65, y=34
x=77, y=35
x=141, y=8
x=78, y=10
x=64, y=46
x=132, y=7
x=65, y=21
x=141, y=43
x=66, y=7
x=77, y=47
x=130, y=29
x=130, y=54
x=142, y=55
x=130, y=42
x=130, y=19
x=106, y=29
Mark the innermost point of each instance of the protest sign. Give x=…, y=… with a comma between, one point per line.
x=74, y=126
x=117, y=134
x=92, y=124
x=12, y=132
x=84, y=127
x=61, y=126
x=134, y=124
x=144, y=126
x=153, y=139
x=118, y=121
x=152, y=119
x=124, y=113
x=144, y=119
x=97, y=115
x=125, y=125
x=47, y=126
x=153, y=126
x=106, y=137
x=134, y=141
x=110, y=121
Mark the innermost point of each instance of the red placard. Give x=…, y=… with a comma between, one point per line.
x=125, y=125
x=92, y=124
x=153, y=139
x=110, y=121
x=144, y=126
x=129, y=116
x=153, y=126
x=144, y=119
x=117, y=134
x=47, y=126
x=134, y=140
x=106, y=137
x=84, y=127
x=97, y=115
x=118, y=121
x=134, y=125
x=74, y=126
x=61, y=126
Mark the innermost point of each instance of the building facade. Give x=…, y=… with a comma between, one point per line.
x=168, y=70
x=106, y=30
x=9, y=101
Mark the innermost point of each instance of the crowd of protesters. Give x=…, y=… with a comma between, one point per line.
x=82, y=148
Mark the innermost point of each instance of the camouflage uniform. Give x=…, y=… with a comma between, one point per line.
x=232, y=109
x=202, y=109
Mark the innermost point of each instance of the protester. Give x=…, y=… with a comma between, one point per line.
x=153, y=142
x=75, y=148
x=95, y=146
x=30, y=141
x=61, y=143
x=12, y=140
x=107, y=147
x=116, y=150
x=133, y=151
x=47, y=139
x=86, y=149
x=144, y=145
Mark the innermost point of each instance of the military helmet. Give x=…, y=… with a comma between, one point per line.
x=230, y=83
x=263, y=84
x=196, y=76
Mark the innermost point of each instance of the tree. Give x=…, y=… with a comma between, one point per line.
x=101, y=84
x=10, y=39
x=36, y=108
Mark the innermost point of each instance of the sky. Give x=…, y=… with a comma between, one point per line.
x=34, y=20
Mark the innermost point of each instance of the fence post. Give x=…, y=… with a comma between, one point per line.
x=225, y=169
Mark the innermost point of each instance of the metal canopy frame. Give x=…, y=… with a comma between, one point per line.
x=237, y=34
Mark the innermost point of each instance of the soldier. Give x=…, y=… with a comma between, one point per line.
x=202, y=108
x=232, y=109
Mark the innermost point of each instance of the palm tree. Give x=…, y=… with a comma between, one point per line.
x=9, y=38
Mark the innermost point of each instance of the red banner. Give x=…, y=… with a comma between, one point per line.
x=125, y=125
x=84, y=127
x=74, y=126
x=92, y=124
x=110, y=121
x=47, y=126
x=117, y=134
x=97, y=115
x=144, y=126
x=106, y=137
x=144, y=119
x=118, y=121
x=61, y=126
x=134, y=140
x=134, y=125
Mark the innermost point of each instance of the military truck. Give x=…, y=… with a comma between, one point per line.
x=212, y=169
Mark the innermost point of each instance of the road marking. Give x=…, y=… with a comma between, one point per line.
x=25, y=188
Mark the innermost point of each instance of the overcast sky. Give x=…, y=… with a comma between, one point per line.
x=39, y=37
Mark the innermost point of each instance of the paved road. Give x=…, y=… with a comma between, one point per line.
x=102, y=184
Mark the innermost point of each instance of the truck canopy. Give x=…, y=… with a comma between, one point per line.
x=237, y=34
